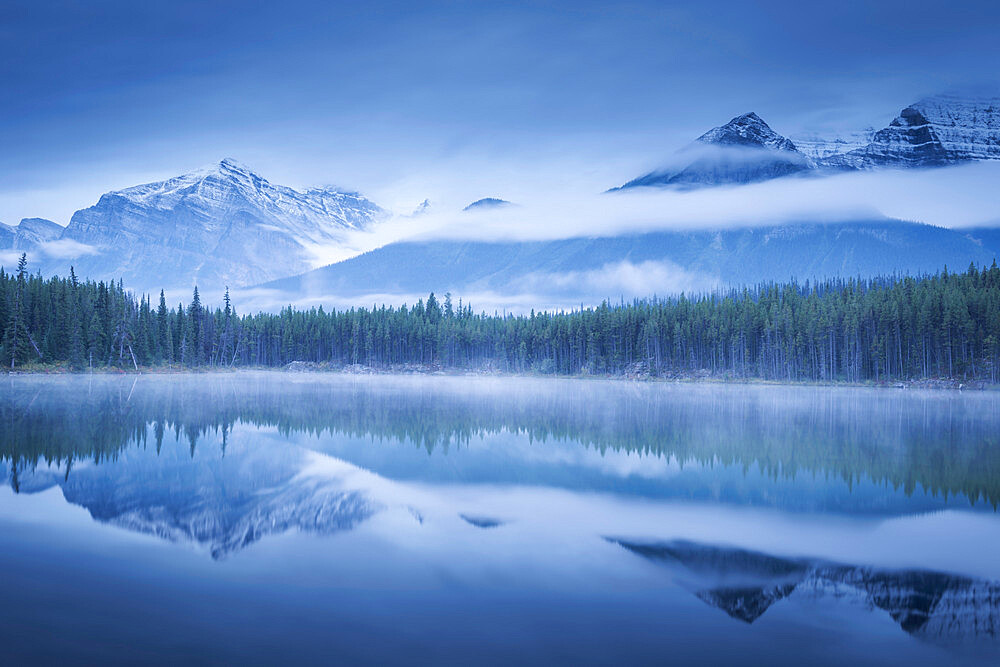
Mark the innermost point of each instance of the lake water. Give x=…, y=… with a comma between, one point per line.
x=266, y=517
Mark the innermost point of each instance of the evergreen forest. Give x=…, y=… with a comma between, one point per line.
x=856, y=330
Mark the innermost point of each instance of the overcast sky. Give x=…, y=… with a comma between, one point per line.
x=449, y=99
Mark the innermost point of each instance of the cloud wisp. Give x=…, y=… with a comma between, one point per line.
x=57, y=250
x=960, y=196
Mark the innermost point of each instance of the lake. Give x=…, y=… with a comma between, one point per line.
x=311, y=518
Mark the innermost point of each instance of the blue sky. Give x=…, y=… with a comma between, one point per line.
x=404, y=100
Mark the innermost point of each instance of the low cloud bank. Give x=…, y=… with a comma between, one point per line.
x=66, y=249
x=621, y=279
x=959, y=196
x=955, y=197
x=536, y=291
x=46, y=253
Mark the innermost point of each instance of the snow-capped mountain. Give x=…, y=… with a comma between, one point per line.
x=937, y=131
x=750, y=131
x=934, y=132
x=28, y=234
x=818, y=147
x=220, y=225
x=744, y=150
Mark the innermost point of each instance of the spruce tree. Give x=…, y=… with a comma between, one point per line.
x=15, y=340
x=163, y=351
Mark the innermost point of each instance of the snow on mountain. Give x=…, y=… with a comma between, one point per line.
x=818, y=147
x=936, y=131
x=315, y=214
x=748, y=130
x=744, y=150
x=222, y=224
x=422, y=208
x=28, y=234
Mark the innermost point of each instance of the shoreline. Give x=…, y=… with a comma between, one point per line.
x=705, y=377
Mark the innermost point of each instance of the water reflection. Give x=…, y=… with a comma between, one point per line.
x=930, y=605
x=941, y=444
x=881, y=501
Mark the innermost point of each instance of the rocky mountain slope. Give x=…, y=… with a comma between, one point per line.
x=29, y=234
x=222, y=225
x=818, y=147
x=936, y=131
x=744, y=150
x=225, y=225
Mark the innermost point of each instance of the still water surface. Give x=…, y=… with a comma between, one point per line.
x=265, y=517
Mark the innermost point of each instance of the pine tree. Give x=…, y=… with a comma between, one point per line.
x=163, y=347
x=193, y=338
x=226, y=340
x=15, y=340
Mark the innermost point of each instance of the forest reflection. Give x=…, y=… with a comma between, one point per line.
x=943, y=443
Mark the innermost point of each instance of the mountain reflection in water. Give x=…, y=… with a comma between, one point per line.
x=885, y=499
x=745, y=584
x=944, y=444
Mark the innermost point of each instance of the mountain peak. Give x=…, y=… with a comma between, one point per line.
x=744, y=150
x=748, y=130
x=28, y=234
x=487, y=203
x=41, y=226
x=935, y=131
x=221, y=224
x=226, y=168
x=749, y=117
x=231, y=166
x=232, y=163
x=422, y=208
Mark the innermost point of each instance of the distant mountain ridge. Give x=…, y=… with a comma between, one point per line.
x=28, y=234
x=936, y=131
x=225, y=225
x=699, y=260
x=487, y=203
x=818, y=147
x=750, y=151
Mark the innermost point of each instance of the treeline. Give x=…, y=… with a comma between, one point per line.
x=946, y=325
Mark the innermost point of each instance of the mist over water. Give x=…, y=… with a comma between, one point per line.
x=293, y=515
